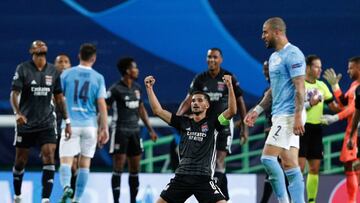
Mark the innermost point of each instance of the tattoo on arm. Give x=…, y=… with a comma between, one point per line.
x=266, y=101
x=299, y=93
x=61, y=105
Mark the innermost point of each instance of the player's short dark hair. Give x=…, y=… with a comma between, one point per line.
x=310, y=58
x=355, y=59
x=124, y=64
x=206, y=96
x=216, y=49
x=277, y=23
x=87, y=51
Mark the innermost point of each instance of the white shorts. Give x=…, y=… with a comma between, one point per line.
x=282, y=132
x=83, y=141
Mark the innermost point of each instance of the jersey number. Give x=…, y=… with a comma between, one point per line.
x=83, y=94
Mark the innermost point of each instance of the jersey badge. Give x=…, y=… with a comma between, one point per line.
x=137, y=94
x=126, y=98
x=33, y=82
x=204, y=128
x=205, y=89
x=220, y=86
x=48, y=80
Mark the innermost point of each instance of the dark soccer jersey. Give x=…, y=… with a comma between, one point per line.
x=216, y=89
x=357, y=98
x=197, y=144
x=37, y=89
x=125, y=102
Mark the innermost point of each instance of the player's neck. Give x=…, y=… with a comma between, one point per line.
x=199, y=117
x=213, y=73
x=127, y=81
x=281, y=43
x=40, y=65
x=86, y=63
x=310, y=79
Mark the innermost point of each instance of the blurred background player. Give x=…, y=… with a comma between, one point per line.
x=85, y=93
x=211, y=82
x=125, y=99
x=346, y=103
x=62, y=62
x=311, y=147
x=194, y=175
x=38, y=83
x=287, y=73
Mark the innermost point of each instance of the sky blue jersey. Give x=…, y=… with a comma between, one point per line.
x=82, y=86
x=285, y=64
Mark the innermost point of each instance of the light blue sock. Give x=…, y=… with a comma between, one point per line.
x=276, y=177
x=65, y=175
x=81, y=180
x=296, y=184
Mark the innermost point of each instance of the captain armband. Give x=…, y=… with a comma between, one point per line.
x=222, y=120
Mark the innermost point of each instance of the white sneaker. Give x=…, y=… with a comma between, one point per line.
x=17, y=199
x=45, y=200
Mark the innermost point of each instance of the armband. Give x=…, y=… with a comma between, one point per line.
x=222, y=120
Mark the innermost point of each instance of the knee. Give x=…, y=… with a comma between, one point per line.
x=20, y=163
x=47, y=157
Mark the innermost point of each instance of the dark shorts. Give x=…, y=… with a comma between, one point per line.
x=31, y=139
x=125, y=142
x=224, y=140
x=181, y=187
x=311, y=146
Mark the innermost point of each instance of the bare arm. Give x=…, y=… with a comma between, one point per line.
x=231, y=110
x=145, y=118
x=61, y=105
x=103, y=130
x=334, y=107
x=14, y=101
x=265, y=102
x=299, y=83
x=184, y=106
x=154, y=102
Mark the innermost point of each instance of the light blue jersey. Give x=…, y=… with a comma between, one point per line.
x=82, y=86
x=284, y=65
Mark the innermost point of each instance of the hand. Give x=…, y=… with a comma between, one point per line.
x=250, y=118
x=227, y=79
x=153, y=136
x=298, y=125
x=68, y=131
x=20, y=119
x=349, y=144
x=103, y=136
x=315, y=99
x=149, y=81
x=329, y=119
x=331, y=77
x=244, y=134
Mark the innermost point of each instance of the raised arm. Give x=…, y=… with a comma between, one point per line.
x=231, y=110
x=184, y=106
x=145, y=118
x=154, y=102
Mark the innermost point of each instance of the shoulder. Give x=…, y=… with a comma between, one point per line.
x=225, y=72
x=294, y=51
x=201, y=76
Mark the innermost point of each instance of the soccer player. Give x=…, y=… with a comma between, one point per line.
x=311, y=147
x=37, y=82
x=125, y=98
x=287, y=70
x=194, y=175
x=62, y=62
x=346, y=103
x=85, y=93
x=211, y=82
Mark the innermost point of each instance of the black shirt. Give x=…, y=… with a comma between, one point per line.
x=125, y=102
x=197, y=144
x=216, y=89
x=357, y=97
x=37, y=89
